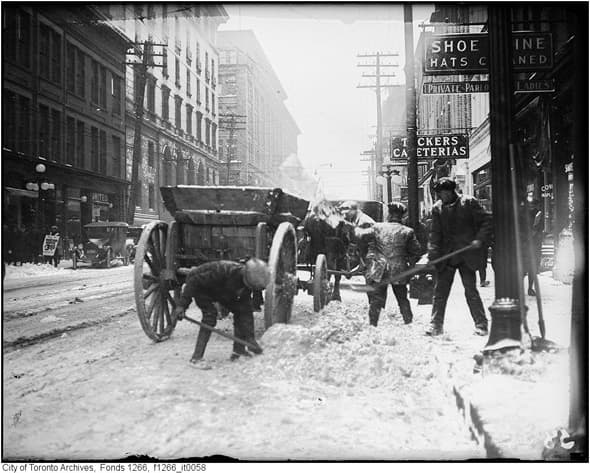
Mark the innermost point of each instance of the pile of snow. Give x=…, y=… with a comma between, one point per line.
x=342, y=349
x=30, y=269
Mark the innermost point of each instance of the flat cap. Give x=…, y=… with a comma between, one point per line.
x=396, y=208
x=445, y=184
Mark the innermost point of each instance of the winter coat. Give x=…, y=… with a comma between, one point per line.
x=393, y=249
x=455, y=226
x=217, y=281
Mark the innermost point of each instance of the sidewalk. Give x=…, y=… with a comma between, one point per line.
x=514, y=404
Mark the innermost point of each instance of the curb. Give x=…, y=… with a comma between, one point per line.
x=11, y=345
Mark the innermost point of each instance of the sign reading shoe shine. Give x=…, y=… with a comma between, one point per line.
x=468, y=53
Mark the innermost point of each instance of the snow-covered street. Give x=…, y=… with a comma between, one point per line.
x=328, y=386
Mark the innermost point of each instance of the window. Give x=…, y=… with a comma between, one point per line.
x=44, y=43
x=151, y=154
x=55, y=135
x=80, y=149
x=206, y=99
x=214, y=135
x=138, y=196
x=151, y=14
x=180, y=169
x=102, y=164
x=116, y=156
x=81, y=74
x=151, y=197
x=206, y=66
x=198, y=61
x=165, y=103
x=177, y=112
x=199, y=126
x=24, y=130
x=94, y=82
x=198, y=92
x=165, y=61
x=70, y=140
x=94, y=148
x=151, y=95
x=117, y=86
x=208, y=132
x=17, y=40
x=188, y=82
x=56, y=58
x=189, y=119
x=9, y=122
x=177, y=71
x=213, y=103
x=71, y=68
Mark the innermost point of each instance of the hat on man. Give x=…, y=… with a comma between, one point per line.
x=445, y=184
x=349, y=205
x=257, y=274
x=396, y=208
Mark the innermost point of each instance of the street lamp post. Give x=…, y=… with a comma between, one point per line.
x=41, y=185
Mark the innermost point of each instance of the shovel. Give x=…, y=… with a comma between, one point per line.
x=413, y=271
x=219, y=332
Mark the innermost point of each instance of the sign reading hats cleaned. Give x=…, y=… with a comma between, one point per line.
x=432, y=147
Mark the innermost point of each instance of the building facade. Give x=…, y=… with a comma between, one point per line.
x=258, y=132
x=63, y=155
x=180, y=125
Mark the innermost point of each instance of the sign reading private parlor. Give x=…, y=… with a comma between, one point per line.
x=474, y=87
x=467, y=53
x=431, y=147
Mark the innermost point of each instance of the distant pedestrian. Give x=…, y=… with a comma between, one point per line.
x=230, y=284
x=532, y=240
x=393, y=249
x=58, y=253
x=457, y=221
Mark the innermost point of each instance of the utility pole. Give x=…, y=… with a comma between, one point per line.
x=231, y=122
x=141, y=69
x=506, y=309
x=413, y=204
x=378, y=86
x=369, y=156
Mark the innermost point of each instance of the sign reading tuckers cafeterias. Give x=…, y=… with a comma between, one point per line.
x=467, y=53
x=454, y=146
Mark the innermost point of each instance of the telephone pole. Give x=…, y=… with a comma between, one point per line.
x=145, y=52
x=413, y=204
x=369, y=156
x=377, y=65
x=232, y=123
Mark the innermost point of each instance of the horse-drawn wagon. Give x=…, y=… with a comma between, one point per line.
x=214, y=223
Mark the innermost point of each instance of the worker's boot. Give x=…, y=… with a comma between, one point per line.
x=374, y=315
x=202, y=340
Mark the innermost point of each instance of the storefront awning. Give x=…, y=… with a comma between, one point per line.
x=22, y=192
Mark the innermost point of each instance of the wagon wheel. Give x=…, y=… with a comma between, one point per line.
x=261, y=241
x=153, y=285
x=322, y=290
x=282, y=262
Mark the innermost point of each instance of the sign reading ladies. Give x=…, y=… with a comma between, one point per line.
x=468, y=53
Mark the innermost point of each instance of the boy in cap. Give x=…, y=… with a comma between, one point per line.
x=231, y=284
x=457, y=221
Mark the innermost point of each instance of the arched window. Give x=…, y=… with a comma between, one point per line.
x=191, y=172
x=180, y=165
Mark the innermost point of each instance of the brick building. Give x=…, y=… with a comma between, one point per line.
x=179, y=130
x=63, y=129
x=259, y=133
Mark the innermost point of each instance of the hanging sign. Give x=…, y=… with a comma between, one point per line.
x=454, y=146
x=468, y=53
x=50, y=244
x=521, y=86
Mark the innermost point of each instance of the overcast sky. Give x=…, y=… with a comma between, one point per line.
x=313, y=50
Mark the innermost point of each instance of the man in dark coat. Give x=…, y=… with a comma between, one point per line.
x=393, y=249
x=230, y=284
x=457, y=221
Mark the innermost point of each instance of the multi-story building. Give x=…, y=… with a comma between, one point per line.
x=259, y=133
x=180, y=126
x=63, y=128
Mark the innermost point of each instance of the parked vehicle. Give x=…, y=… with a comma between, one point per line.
x=105, y=243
